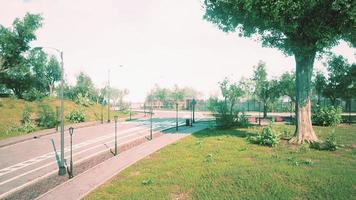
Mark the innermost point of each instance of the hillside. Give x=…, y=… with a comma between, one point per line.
x=11, y=111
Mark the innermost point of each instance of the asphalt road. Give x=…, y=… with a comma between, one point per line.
x=27, y=162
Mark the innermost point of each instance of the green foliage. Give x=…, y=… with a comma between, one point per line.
x=329, y=144
x=16, y=71
x=327, y=116
x=32, y=95
x=226, y=110
x=147, y=182
x=243, y=120
x=26, y=114
x=46, y=116
x=268, y=137
x=76, y=116
x=267, y=92
x=83, y=100
x=341, y=81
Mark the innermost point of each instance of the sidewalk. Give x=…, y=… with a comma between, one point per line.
x=86, y=182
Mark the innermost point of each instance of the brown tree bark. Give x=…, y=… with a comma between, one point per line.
x=304, y=130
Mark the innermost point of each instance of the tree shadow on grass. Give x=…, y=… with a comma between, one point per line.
x=233, y=132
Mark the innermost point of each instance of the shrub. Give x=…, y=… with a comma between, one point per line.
x=83, y=100
x=327, y=116
x=268, y=137
x=76, y=116
x=33, y=95
x=26, y=114
x=46, y=117
x=243, y=120
x=328, y=145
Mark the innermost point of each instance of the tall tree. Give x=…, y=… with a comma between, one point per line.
x=15, y=72
x=299, y=28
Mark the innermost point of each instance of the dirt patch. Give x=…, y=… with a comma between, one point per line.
x=135, y=173
x=181, y=195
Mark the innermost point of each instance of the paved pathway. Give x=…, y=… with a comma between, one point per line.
x=86, y=182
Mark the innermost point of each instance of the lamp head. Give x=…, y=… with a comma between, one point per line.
x=71, y=130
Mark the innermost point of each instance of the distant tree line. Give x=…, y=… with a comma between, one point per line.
x=169, y=96
x=338, y=83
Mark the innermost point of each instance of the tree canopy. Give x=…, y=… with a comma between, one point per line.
x=291, y=26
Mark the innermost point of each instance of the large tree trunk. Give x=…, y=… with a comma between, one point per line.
x=304, y=68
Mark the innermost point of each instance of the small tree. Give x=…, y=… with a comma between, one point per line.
x=266, y=91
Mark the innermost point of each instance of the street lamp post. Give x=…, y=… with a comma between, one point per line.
x=193, y=104
x=176, y=116
x=109, y=94
x=115, y=117
x=62, y=169
x=71, y=173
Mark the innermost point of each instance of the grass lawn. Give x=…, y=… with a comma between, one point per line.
x=221, y=164
x=11, y=112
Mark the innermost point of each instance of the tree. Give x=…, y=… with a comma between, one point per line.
x=266, y=91
x=53, y=73
x=85, y=87
x=117, y=96
x=299, y=28
x=319, y=84
x=340, y=82
x=15, y=72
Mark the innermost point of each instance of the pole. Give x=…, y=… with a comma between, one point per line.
x=350, y=102
x=71, y=157
x=109, y=96
x=194, y=102
x=130, y=111
x=176, y=116
x=102, y=113
x=259, y=113
x=62, y=169
x=115, y=135
x=151, y=123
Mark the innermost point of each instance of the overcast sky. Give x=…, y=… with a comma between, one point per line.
x=157, y=41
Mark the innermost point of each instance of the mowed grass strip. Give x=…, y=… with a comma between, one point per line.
x=221, y=164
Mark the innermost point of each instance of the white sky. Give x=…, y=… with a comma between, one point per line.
x=158, y=41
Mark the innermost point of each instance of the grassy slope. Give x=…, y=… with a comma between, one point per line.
x=11, y=111
x=239, y=170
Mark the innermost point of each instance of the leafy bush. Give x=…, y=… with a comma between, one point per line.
x=76, y=116
x=83, y=100
x=33, y=95
x=327, y=116
x=329, y=144
x=268, y=137
x=243, y=120
x=26, y=114
x=46, y=117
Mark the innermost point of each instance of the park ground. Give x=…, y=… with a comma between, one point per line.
x=222, y=164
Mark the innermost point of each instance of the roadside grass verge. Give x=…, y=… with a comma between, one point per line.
x=221, y=164
x=11, y=112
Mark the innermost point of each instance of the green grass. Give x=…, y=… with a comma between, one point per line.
x=216, y=164
x=11, y=112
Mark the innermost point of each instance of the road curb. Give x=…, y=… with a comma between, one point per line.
x=83, y=184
